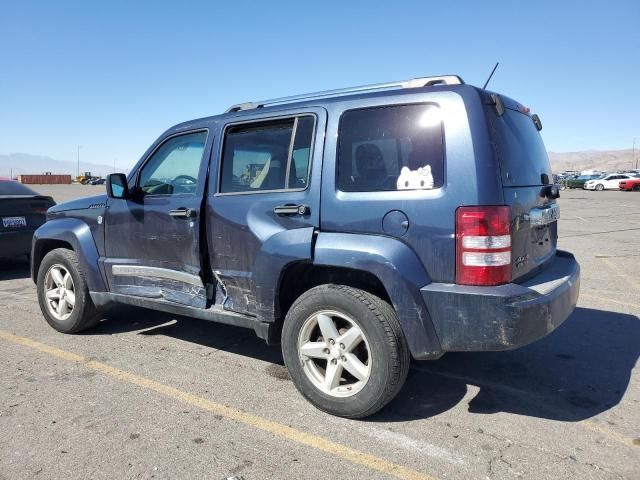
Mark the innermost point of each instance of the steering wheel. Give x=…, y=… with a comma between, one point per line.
x=184, y=180
x=184, y=184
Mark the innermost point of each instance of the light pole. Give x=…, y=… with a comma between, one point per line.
x=79, y=160
x=633, y=158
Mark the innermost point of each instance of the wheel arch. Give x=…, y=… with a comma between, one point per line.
x=72, y=234
x=383, y=266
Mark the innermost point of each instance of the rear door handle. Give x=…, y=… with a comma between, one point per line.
x=291, y=210
x=182, y=213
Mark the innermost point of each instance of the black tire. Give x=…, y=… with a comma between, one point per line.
x=636, y=188
x=84, y=314
x=599, y=187
x=386, y=341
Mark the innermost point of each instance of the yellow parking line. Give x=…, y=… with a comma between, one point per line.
x=609, y=433
x=255, y=421
x=609, y=300
x=618, y=271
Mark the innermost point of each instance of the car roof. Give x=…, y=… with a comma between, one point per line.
x=325, y=98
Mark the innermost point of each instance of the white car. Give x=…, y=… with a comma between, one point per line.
x=607, y=182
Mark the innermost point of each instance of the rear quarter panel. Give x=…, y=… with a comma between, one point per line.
x=470, y=178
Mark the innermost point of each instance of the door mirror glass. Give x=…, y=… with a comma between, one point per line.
x=117, y=185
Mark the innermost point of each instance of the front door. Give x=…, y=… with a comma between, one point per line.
x=153, y=238
x=264, y=205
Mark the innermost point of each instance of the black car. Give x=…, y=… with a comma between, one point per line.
x=22, y=211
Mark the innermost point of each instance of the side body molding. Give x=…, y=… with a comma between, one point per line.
x=78, y=234
x=401, y=273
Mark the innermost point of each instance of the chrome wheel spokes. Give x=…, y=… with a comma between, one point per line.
x=335, y=354
x=60, y=295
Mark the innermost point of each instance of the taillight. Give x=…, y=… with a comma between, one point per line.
x=483, y=245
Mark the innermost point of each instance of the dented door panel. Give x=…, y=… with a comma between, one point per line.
x=249, y=243
x=151, y=253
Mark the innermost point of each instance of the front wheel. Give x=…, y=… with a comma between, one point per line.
x=63, y=294
x=599, y=187
x=345, y=350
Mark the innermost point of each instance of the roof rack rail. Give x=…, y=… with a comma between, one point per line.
x=413, y=83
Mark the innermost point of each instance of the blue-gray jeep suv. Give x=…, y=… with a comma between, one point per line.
x=360, y=228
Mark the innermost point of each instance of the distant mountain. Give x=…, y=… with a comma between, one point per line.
x=22, y=163
x=18, y=163
x=604, y=160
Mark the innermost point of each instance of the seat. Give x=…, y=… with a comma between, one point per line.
x=372, y=171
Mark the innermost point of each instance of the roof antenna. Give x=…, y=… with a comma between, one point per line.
x=491, y=75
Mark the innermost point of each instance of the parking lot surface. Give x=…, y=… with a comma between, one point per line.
x=149, y=395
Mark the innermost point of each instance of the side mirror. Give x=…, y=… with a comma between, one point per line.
x=117, y=186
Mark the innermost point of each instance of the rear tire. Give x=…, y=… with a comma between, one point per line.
x=321, y=368
x=636, y=188
x=63, y=294
x=599, y=187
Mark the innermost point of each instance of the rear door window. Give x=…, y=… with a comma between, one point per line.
x=267, y=156
x=390, y=148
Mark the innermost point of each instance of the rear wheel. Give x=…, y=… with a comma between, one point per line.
x=345, y=350
x=63, y=294
x=636, y=188
x=599, y=187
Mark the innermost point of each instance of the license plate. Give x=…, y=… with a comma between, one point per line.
x=8, y=222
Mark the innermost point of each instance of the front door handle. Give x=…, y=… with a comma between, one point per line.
x=182, y=213
x=291, y=210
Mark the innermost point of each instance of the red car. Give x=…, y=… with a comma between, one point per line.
x=630, y=184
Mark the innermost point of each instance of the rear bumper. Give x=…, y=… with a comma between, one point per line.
x=13, y=244
x=470, y=318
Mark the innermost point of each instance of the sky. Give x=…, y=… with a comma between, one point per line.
x=112, y=76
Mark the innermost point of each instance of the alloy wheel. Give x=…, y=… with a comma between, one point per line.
x=334, y=353
x=60, y=292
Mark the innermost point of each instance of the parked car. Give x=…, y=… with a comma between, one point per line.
x=339, y=224
x=578, y=182
x=98, y=181
x=630, y=184
x=22, y=211
x=606, y=182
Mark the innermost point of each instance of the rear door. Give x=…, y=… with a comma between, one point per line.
x=153, y=243
x=613, y=182
x=526, y=176
x=264, y=203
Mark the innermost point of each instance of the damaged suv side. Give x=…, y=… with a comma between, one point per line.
x=359, y=228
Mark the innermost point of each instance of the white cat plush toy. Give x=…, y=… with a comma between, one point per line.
x=415, y=179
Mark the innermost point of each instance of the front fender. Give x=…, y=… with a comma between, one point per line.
x=76, y=233
x=400, y=271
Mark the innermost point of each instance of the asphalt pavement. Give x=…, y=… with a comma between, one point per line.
x=150, y=395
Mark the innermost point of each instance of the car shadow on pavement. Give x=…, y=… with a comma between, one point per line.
x=577, y=372
x=237, y=340
x=14, y=269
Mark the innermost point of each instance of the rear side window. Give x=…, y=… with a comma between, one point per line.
x=266, y=156
x=390, y=148
x=14, y=188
